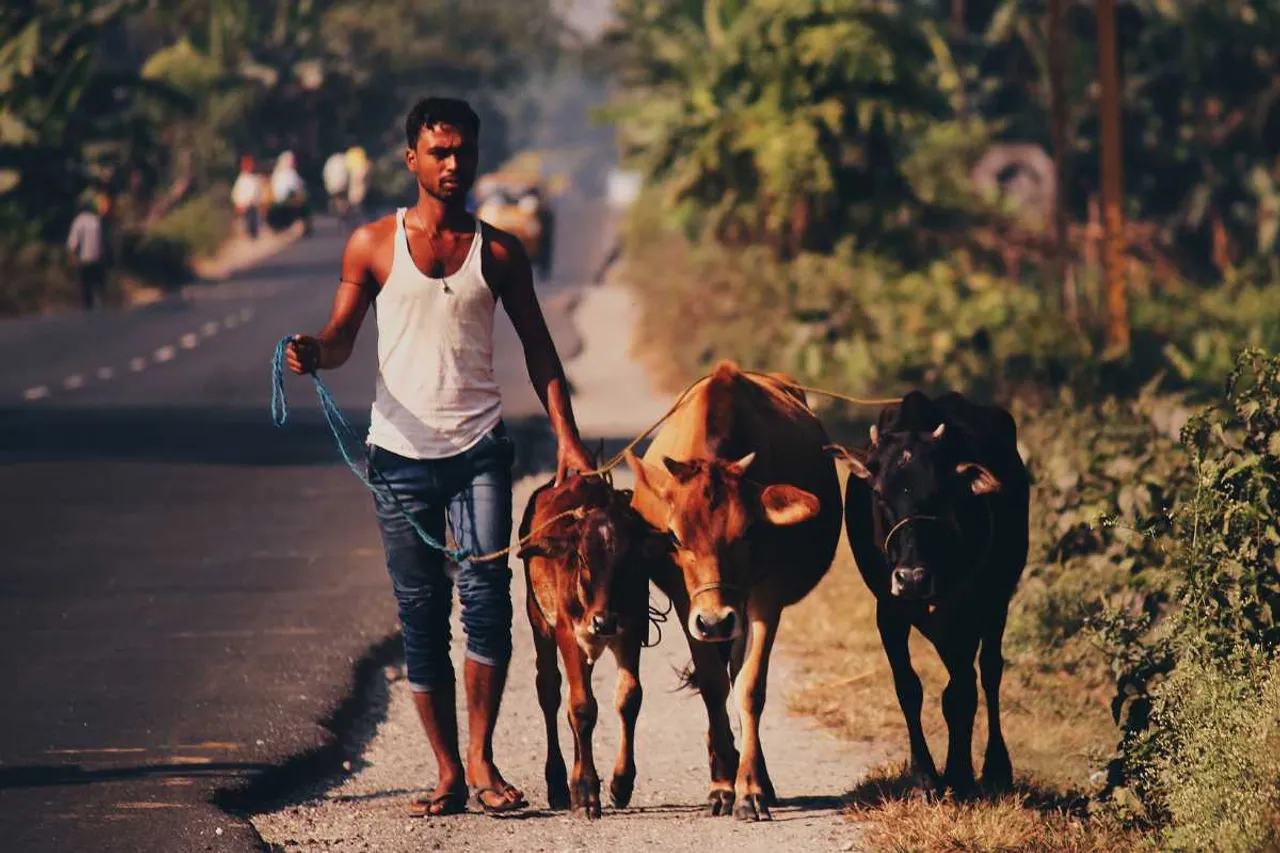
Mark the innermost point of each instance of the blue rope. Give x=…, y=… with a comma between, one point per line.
x=343, y=435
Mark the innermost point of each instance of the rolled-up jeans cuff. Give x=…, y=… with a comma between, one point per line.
x=484, y=659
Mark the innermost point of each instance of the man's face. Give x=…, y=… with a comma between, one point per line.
x=444, y=161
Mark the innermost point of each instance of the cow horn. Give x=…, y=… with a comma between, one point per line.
x=744, y=463
x=875, y=435
x=937, y=433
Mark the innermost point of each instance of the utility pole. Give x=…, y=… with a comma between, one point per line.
x=1061, y=266
x=1113, y=254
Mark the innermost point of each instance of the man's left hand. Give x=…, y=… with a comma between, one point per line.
x=572, y=454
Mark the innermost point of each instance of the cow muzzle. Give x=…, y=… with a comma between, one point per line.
x=715, y=626
x=911, y=584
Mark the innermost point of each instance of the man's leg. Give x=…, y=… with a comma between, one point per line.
x=424, y=595
x=480, y=517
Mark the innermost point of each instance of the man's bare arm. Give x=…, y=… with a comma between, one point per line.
x=545, y=370
x=333, y=345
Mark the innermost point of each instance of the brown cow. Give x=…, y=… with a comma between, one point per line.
x=588, y=590
x=739, y=479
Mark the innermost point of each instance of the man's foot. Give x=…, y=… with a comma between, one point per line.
x=447, y=799
x=493, y=794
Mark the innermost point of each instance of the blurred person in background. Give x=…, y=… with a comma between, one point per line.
x=247, y=196
x=289, y=192
x=358, y=169
x=87, y=249
x=336, y=177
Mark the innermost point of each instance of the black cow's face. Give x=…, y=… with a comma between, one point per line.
x=918, y=486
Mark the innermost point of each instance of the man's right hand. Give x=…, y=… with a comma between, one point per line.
x=302, y=354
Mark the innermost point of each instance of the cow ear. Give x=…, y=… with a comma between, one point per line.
x=682, y=471
x=980, y=478
x=784, y=505
x=857, y=467
x=649, y=477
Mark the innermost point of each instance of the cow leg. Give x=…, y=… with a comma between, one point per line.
x=894, y=632
x=997, y=770
x=711, y=678
x=959, y=704
x=753, y=779
x=584, y=784
x=549, y=699
x=627, y=701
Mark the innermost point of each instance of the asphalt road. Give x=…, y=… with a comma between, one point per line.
x=187, y=594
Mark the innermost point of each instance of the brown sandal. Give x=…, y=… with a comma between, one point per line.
x=504, y=792
x=450, y=802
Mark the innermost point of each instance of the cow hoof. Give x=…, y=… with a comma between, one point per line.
x=961, y=789
x=752, y=807
x=720, y=803
x=590, y=811
x=620, y=790
x=997, y=777
x=558, y=799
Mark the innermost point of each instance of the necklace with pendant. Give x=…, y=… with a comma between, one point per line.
x=437, y=265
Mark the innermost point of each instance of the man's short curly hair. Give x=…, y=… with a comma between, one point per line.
x=430, y=112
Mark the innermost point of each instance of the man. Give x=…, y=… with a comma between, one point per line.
x=438, y=446
x=87, y=248
x=336, y=176
x=247, y=196
x=359, y=167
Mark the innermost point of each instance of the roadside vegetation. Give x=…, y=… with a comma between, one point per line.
x=152, y=103
x=818, y=202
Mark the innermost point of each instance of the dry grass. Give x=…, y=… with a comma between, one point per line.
x=1056, y=723
x=1030, y=820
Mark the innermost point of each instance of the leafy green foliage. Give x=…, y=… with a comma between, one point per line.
x=777, y=122
x=1200, y=699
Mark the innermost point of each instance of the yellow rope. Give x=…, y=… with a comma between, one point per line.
x=618, y=458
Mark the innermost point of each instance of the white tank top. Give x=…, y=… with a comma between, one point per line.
x=436, y=394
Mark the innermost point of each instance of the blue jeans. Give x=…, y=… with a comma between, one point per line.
x=473, y=490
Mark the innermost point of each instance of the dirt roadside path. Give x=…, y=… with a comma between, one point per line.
x=366, y=809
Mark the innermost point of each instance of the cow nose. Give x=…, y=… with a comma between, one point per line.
x=715, y=627
x=911, y=583
x=604, y=624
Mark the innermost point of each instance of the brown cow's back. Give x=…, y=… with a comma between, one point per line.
x=730, y=414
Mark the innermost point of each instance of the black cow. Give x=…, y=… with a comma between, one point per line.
x=936, y=512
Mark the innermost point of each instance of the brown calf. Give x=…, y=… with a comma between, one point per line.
x=739, y=479
x=588, y=590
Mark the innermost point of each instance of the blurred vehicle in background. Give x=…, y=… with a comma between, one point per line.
x=516, y=199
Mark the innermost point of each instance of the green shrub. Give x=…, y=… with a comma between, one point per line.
x=1199, y=697
x=1104, y=477
x=161, y=254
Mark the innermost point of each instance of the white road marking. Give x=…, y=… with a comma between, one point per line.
x=106, y=372
x=190, y=340
x=138, y=364
x=209, y=329
x=74, y=381
x=230, y=321
x=163, y=354
x=39, y=392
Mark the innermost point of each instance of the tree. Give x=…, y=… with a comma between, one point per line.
x=1117, y=331
x=776, y=122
